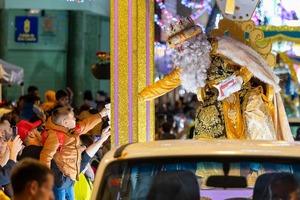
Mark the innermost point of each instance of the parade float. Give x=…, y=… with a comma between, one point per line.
x=132, y=73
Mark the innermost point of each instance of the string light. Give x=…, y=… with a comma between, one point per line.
x=193, y=4
x=199, y=9
x=163, y=61
x=277, y=13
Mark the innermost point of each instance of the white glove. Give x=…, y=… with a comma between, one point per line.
x=229, y=86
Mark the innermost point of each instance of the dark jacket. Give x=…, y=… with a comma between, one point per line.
x=31, y=151
x=5, y=172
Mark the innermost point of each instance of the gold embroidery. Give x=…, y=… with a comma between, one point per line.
x=201, y=94
x=245, y=74
x=222, y=119
x=234, y=122
x=214, y=45
x=232, y=113
x=209, y=122
x=219, y=69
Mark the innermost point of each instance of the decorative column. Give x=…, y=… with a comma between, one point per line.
x=132, y=46
x=76, y=64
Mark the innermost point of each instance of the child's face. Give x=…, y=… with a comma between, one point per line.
x=64, y=101
x=69, y=121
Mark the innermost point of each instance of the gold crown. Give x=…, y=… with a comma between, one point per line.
x=182, y=31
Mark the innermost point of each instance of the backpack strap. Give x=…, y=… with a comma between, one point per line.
x=76, y=130
x=44, y=135
x=61, y=139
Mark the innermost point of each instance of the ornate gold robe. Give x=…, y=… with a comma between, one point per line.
x=251, y=113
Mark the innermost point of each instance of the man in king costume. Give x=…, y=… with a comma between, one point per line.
x=238, y=92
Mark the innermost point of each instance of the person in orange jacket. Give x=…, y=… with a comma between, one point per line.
x=50, y=101
x=62, y=144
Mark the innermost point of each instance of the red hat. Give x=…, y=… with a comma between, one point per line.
x=24, y=127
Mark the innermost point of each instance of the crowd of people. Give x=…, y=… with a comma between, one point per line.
x=62, y=144
x=176, y=121
x=51, y=149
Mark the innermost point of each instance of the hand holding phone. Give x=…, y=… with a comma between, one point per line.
x=105, y=134
x=15, y=146
x=14, y=132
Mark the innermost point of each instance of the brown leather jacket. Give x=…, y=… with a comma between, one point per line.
x=68, y=155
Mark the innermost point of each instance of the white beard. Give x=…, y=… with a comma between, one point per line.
x=194, y=60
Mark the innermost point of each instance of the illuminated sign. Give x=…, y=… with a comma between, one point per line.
x=26, y=29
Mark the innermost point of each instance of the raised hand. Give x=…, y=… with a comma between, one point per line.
x=105, y=134
x=15, y=147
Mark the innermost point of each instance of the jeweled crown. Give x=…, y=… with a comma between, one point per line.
x=179, y=26
x=181, y=31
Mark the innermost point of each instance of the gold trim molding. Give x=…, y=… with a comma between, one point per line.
x=249, y=34
x=280, y=28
